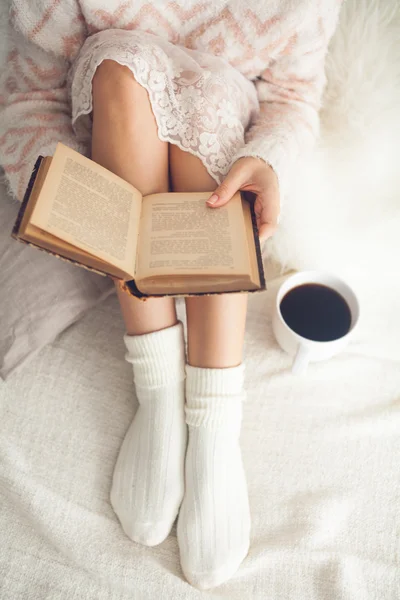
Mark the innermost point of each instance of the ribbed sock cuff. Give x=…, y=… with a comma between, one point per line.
x=214, y=397
x=157, y=358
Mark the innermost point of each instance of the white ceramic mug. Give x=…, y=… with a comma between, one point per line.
x=303, y=349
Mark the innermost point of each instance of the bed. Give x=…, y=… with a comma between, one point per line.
x=321, y=451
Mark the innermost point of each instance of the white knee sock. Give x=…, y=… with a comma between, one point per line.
x=148, y=482
x=214, y=519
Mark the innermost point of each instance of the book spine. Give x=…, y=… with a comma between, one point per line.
x=258, y=246
x=25, y=200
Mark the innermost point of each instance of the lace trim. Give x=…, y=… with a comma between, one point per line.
x=200, y=103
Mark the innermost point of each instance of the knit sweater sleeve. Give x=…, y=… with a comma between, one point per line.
x=35, y=111
x=289, y=93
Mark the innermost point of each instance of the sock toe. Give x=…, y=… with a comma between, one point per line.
x=215, y=577
x=149, y=533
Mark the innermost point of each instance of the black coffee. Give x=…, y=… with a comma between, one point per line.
x=316, y=312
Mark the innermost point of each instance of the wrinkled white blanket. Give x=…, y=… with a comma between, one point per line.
x=322, y=454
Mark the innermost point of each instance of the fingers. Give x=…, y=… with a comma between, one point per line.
x=231, y=184
x=267, y=213
x=266, y=230
x=264, y=186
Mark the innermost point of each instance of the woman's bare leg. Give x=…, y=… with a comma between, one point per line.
x=125, y=141
x=215, y=323
x=148, y=479
x=214, y=519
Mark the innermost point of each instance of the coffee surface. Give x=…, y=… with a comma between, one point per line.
x=316, y=312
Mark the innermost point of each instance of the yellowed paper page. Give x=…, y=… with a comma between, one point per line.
x=88, y=206
x=180, y=235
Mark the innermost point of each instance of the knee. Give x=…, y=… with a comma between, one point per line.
x=109, y=69
x=112, y=78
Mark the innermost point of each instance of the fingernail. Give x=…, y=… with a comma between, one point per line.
x=213, y=199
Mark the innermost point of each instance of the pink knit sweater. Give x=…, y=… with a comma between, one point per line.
x=280, y=45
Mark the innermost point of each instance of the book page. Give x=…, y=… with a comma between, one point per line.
x=180, y=235
x=86, y=205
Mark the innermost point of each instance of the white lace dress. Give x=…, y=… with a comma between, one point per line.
x=200, y=102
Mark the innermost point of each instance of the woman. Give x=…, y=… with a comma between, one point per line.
x=189, y=96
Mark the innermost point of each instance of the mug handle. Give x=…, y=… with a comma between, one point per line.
x=301, y=360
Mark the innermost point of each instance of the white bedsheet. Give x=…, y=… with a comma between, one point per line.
x=322, y=454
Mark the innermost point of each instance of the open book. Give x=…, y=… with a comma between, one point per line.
x=161, y=244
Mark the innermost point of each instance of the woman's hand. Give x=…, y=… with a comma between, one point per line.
x=252, y=175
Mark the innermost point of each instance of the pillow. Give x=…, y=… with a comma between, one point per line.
x=40, y=295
